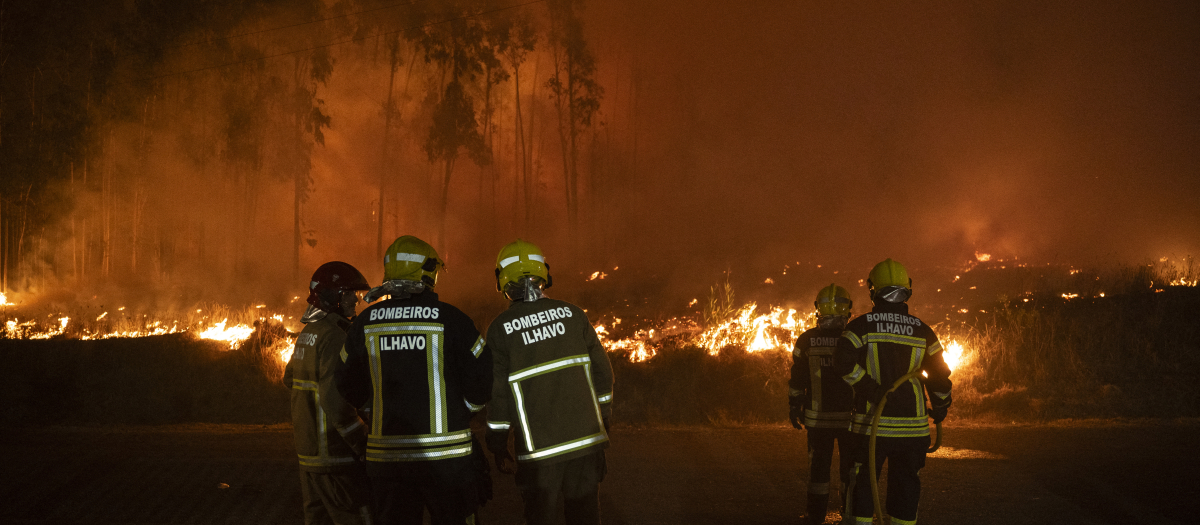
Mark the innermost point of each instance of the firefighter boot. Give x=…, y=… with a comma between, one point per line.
x=817, y=505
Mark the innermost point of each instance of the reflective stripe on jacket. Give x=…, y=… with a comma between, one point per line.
x=826, y=399
x=882, y=346
x=327, y=429
x=553, y=381
x=424, y=370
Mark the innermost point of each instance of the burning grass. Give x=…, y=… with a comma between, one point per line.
x=1121, y=343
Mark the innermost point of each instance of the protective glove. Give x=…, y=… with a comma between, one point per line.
x=939, y=413
x=497, y=442
x=796, y=414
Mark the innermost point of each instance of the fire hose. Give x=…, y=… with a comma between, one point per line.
x=916, y=374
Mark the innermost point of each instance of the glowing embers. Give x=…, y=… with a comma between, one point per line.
x=4, y=299
x=234, y=335
x=964, y=453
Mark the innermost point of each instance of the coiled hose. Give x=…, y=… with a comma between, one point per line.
x=916, y=374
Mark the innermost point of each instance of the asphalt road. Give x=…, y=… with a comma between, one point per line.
x=1072, y=473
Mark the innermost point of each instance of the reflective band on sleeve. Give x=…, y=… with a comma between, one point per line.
x=325, y=461
x=478, y=348
x=472, y=406
x=935, y=348
x=499, y=425
x=510, y=260
x=855, y=375
x=853, y=338
x=792, y=392
x=581, y=359
x=942, y=395
x=300, y=384
x=604, y=398
x=350, y=428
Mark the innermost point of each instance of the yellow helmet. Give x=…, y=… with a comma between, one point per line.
x=889, y=280
x=412, y=259
x=833, y=301
x=518, y=259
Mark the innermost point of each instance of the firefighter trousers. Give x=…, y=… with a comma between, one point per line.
x=820, y=458
x=336, y=498
x=905, y=457
x=575, y=481
x=447, y=488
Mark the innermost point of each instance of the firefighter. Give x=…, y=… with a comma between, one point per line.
x=422, y=367
x=553, y=390
x=875, y=351
x=330, y=436
x=819, y=401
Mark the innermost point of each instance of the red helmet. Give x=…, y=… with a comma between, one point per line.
x=331, y=282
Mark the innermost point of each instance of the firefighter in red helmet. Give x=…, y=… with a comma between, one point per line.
x=819, y=400
x=330, y=436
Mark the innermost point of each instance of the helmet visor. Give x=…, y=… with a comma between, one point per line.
x=894, y=294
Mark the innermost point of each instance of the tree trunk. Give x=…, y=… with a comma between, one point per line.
x=383, y=155
x=445, y=205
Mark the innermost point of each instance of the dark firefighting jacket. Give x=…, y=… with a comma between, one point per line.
x=880, y=347
x=424, y=370
x=825, y=398
x=329, y=434
x=553, y=382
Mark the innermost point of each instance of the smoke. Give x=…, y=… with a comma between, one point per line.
x=750, y=138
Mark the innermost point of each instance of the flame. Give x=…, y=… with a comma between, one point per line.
x=234, y=335
x=1070, y=296
x=1177, y=282
x=756, y=332
x=597, y=275
x=953, y=354
x=4, y=299
x=983, y=257
x=693, y=303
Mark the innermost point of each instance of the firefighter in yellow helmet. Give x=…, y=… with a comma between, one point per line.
x=820, y=402
x=553, y=390
x=875, y=351
x=422, y=367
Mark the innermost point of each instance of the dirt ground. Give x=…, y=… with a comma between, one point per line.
x=1082, y=472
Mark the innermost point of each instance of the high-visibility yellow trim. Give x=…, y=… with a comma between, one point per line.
x=604, y=398
x=499, y=425
x=350, y=428
x=565, y=447
x=907, y=340
x=853, y=338
x=855, y=375
x=472, y=406
x=324, y=461
x=898, y=521
x=934, y=348
x=419, y=439
x=478, y=348
x=300, y=384
x=426, y=454
x=575, y=360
